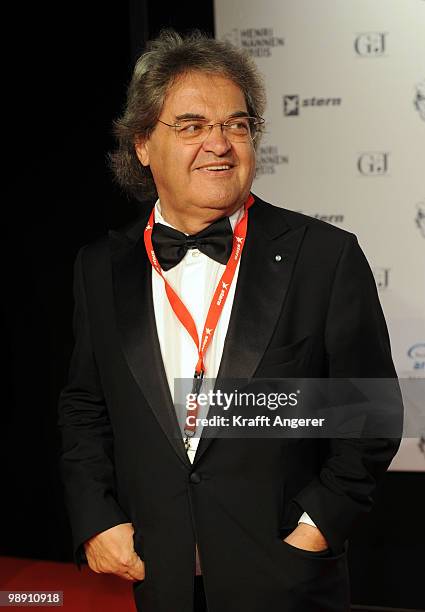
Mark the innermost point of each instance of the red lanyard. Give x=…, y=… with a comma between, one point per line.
x=218, y=300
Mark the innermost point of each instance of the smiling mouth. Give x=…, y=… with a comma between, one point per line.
x=216, y=168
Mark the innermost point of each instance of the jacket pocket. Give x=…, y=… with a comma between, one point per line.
x=314, y=554
x=316, y=582
x=287, y=353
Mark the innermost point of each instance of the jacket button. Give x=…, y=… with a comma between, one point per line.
x=195, y=478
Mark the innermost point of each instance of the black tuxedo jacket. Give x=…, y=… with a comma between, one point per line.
x=314, y=313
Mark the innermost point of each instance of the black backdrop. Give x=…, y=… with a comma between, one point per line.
x=68, y=73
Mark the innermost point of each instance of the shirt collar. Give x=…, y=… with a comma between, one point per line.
x=160, y=219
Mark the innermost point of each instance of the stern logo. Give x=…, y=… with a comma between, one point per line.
x=293, y=103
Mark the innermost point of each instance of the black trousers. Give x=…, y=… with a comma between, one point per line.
x=199, y=602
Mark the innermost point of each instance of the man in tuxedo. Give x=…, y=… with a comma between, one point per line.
x=213, y=280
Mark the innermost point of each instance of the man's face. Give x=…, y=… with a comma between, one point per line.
x=183, y=173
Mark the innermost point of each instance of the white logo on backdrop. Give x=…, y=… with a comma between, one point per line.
x=417, y=354
x=370, y=44
x=293, y=103
x=419, y=101
x=420, y=217
x=373, y=163
x=258, y=42
x=267, y=158
x=382, y=277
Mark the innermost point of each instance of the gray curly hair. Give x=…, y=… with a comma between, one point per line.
x=166, y=58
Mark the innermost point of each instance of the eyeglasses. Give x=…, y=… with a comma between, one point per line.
x=236, y=129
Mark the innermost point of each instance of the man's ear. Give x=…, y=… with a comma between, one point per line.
x=141, y=146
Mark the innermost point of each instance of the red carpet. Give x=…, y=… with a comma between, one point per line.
x=83, y=591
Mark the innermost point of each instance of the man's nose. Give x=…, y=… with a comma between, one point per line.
x=217, y=141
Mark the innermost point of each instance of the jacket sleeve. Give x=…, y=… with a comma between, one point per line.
x=86, y=460
x=357, y=346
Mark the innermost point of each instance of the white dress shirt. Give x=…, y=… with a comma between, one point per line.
x=194, y=279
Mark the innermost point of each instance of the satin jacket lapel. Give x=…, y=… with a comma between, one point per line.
x=261, y=289
x=135, y=317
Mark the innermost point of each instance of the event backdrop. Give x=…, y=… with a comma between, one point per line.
x=345, y=143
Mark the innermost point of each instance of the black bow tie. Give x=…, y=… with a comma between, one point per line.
x=171, y=246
